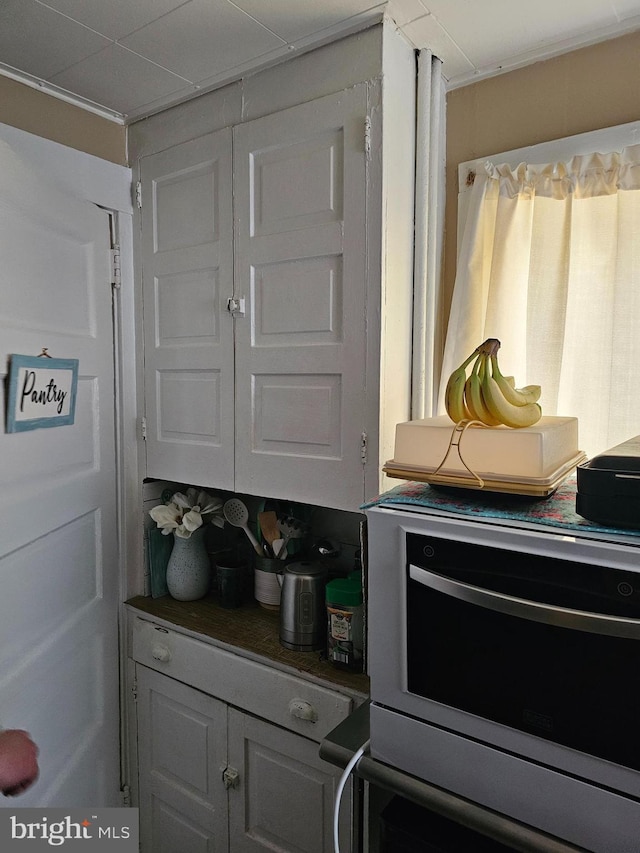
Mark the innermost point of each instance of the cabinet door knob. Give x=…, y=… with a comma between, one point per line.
x=230, y=777
x=161, y=653
x=303, y=710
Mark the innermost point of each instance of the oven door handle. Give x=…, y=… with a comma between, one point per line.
x=523, y=608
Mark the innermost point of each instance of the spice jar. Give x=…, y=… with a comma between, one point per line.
x=345, y=623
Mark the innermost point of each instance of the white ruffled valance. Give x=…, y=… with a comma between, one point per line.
x=585, y=176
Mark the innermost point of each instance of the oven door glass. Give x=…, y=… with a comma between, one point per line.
x=548, y=647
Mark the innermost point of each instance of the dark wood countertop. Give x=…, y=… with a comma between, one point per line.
x=250, y=628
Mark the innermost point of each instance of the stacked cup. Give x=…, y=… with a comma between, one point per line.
x=268, y=582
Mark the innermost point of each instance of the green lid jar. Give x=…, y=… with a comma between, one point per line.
x=347, y=591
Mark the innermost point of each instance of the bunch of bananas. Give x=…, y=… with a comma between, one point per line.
x=488, y=396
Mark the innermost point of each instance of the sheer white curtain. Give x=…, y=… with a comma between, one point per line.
x=549, y=263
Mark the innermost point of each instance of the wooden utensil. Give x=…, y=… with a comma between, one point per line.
x=268, y=522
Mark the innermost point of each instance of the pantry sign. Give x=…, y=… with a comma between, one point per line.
x=42, y=392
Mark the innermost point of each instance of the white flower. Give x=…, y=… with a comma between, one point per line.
x=167, y=516
x=182, y=501
x=185, y=513
x=192, y=520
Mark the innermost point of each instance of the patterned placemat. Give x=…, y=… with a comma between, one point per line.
x=556, y=510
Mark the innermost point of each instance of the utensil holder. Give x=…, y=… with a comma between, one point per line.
x=268, y=582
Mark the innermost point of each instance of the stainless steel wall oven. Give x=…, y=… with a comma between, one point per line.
x=503, y=665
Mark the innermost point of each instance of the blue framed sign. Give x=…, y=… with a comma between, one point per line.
x=42, y=392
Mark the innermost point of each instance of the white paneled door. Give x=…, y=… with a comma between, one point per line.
x=182, y=751
x=59, y=577
x=300, y=261
x=284, y=799
x=187, y=262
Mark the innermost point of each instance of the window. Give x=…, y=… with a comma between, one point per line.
x=549, y=263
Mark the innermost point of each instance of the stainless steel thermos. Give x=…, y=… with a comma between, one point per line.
x=302, y=606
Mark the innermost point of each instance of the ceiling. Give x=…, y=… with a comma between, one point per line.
x=129, y=58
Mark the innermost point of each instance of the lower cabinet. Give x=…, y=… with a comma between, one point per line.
x=284, y=796
x=182, y=755
x=215, y=777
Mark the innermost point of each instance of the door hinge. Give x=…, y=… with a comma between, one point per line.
x=134, y=689
x=125, y=796
x=116, y=279
x=143, y=428
x=363, y=448
x=367, y=137
x=139, y=195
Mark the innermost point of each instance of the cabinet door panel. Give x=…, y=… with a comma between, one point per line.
x=300, y=262
x=182, y=750
x=284, y=799
x=187, y=264
x=297, y=185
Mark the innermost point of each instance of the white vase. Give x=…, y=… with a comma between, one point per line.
x=188, y=569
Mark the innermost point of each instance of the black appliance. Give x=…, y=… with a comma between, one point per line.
x=609, y=486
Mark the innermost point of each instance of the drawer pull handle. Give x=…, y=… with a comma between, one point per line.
x=161, y=653
x=303, y=710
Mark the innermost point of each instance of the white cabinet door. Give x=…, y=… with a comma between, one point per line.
x=182, y=749
x=300, y=263
x=187, y=275
x=285, y=793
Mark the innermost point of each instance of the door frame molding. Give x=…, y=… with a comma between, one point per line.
x=108, y=186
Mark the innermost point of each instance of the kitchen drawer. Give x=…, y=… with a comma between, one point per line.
x=286, y=700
